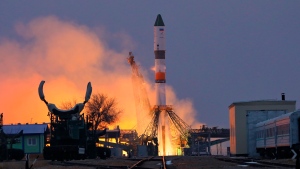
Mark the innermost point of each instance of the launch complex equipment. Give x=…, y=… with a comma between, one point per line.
x=70, y=137
x=162, y=114
x=165, y=124
x=140, y=93
x=7, y=152
x=149, y=136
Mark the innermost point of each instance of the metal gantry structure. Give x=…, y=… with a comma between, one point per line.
x=151, y=131
x=179, y=124
x=179, y=129
x=142, y=102
x=196, y=139
x=200, y=139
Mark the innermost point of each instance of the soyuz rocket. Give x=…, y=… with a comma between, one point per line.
x=160, y=78
x=160, y=64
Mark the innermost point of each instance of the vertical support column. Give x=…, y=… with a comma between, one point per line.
x=106, y=140
x=164, y=140
x=209, y=152
x=1, y=120
x=193, y=144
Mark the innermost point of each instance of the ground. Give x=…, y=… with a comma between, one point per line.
x=177, y=162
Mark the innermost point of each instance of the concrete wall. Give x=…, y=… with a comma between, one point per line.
x=238, y=120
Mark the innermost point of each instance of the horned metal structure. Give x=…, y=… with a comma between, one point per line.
x=70, y=137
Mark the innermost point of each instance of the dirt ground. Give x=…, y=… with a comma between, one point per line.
x=179, y=162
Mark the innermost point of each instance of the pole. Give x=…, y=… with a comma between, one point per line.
x=34, y=162
x=26, y=163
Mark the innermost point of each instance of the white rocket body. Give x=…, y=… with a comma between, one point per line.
x=160, y=64
x=160, y=81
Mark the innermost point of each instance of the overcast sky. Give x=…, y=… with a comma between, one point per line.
x=217, y=52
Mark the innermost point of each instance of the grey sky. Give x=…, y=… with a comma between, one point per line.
x=218, y=52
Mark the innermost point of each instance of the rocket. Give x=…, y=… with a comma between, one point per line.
x=160, y=78
x=160, y=64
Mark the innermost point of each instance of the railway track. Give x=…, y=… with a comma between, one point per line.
x=255, y=163
x=153, y=162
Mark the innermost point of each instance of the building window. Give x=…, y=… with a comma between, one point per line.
x=31, y=142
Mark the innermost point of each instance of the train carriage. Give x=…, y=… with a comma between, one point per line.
x=270, y=136
x=283, y=135
x=260, y=137
x=275, y=137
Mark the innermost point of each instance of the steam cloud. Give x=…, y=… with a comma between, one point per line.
x=67, y=56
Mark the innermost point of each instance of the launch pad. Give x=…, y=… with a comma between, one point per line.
x=167, y=133
x=164, y=124
x=168, y=129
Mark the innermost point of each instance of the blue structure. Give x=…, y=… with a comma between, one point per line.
x=33, y=139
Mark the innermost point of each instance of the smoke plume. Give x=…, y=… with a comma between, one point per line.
x=68, y=56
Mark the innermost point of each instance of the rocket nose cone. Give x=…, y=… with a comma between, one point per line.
x=159, y=21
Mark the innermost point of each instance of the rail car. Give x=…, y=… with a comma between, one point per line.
x=278, y=136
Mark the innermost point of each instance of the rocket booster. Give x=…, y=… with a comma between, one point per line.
x=160, y=64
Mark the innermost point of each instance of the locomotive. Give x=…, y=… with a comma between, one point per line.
x=70, y=137
x=277, y=137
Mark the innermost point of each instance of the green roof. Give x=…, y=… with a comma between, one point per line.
x=159, y=21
